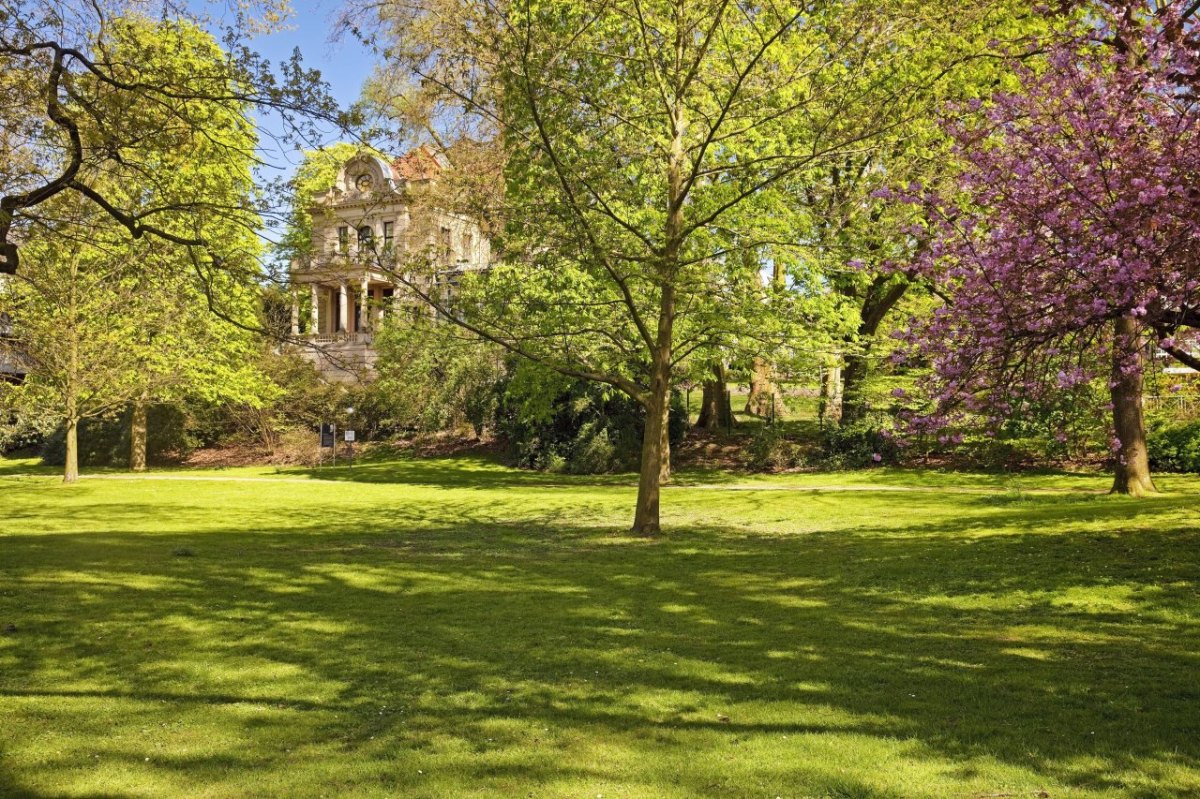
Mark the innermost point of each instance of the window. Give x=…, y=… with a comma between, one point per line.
x=468, y=245
x=366, y=238
x=444, y=245
x=343, y=239
x=389, y=234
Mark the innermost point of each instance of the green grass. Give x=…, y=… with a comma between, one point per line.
x=450, y=628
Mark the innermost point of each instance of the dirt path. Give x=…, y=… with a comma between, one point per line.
x=831, y=488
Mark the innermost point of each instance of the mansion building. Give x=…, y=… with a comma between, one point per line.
x=378, y=220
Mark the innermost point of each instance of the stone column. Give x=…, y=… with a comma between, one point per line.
x=364, y=298
x=314, y=313
x=343, y=309
x=295, y=312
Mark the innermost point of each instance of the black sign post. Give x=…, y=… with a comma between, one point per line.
x=329, y=439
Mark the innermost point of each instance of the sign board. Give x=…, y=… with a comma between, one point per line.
x=326, y=435
x=349, y=436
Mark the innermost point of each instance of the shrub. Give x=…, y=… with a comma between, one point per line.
x=435, y=377
x=556, y=424
x=105, y=441
x=857, y=445
x=1175, y=447
x=770, y=451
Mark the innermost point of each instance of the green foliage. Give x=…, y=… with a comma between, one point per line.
x=105, y=319
x=105, y=441
x=770, y=449
x=1175, y=447
x=434, y=376
x=561, y=425
x=858, y=445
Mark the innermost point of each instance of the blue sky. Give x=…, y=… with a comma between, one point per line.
x=344, y=64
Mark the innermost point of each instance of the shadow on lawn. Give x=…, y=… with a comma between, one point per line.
x=1024, y=648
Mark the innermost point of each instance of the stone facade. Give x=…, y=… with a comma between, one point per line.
x=375, y=223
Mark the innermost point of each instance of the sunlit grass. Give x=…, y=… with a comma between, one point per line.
x=451, y=628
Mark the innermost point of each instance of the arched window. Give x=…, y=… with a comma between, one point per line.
x=366, y=238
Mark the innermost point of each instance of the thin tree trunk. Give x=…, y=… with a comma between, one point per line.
x=71, y=464
x=1132, y=468
x=829, y=406
x=664, y=436
x=137, y=436
x=656, y=453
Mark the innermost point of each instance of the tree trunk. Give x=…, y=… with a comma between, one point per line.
x=1132, y=468
x=880, y=298
x=656, y=452
x=829, y=405
x=137, y=436
x=664, y=440
x=71, y=464
x=854, y=387
x=765, y=399
x=715, y=409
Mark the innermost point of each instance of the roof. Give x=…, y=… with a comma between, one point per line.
x=419, y=164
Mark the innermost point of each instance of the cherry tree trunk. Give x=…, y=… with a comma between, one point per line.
x=1132, y=469
x=137, y=436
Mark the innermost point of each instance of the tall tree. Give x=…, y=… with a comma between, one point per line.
x=645, y=147
x=74, y=315
x=1072, y=232
x=859, y=237
x=150, y=299
x=57, y=59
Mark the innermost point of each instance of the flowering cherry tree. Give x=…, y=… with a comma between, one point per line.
x=1074, y=237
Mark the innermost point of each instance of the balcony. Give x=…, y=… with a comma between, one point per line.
x=358, y=337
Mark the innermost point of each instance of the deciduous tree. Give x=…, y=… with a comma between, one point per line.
x=645, y=147
x=1073, y=230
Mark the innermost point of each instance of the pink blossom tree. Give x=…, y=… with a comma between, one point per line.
x=1074, y=237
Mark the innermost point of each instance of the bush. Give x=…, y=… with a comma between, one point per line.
x=858, y=445
x=555, y=424
x=105, y=442
x=435, y=377
x=1175, y=447
x=20, y=429
x=770, y=451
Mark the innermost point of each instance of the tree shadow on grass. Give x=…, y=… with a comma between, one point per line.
x=980, y=644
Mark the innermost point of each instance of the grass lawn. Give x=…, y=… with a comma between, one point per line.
x=450, y=628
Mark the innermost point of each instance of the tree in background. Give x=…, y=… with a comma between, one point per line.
x=1072, y=232
x=57, y=59
x=74, y=315
x=134, y=315
x=858, y=237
